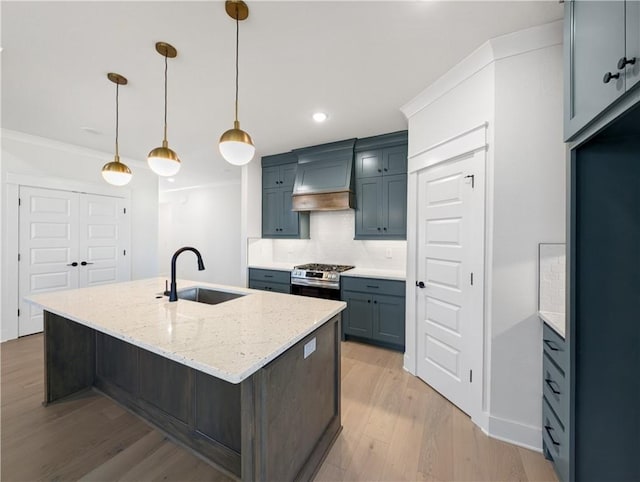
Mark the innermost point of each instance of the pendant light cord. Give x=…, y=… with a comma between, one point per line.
x=165, y=96
x=117, y=117
x=237, y=48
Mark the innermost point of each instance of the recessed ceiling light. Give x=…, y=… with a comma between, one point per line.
x=320, y=117
x=90, y=130
x=170, y=179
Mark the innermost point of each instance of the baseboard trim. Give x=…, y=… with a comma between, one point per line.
x=516, y=433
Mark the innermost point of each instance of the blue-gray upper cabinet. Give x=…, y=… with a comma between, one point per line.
x=278, y=218
x=602, y=58
x=381, y=187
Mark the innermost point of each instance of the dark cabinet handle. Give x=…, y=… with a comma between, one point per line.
x=384, y=229
x=378, y=229
x=84, y=263
x=268, y=276
x=74, y=264
x=368, y=301
x=549, y=429
x=608, y=76
x=372, y=286
x=552, y=346
x=623, y=62
x=551, y=384
x=375, y=302
x=385, y=169
x=420, y=284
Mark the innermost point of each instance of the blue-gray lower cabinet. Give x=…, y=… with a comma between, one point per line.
x=555, y=401
x=375, y=311
x=270, y=280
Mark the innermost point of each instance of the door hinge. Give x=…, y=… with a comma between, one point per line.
x=470, y=376
x=18, y=311
x=471, y=279
x=18, y=256
x=473, y=179
x=124, y=210
x=124, y=252
x=19, y=202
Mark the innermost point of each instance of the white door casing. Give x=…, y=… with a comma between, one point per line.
x=58, y=228
x=450, y=254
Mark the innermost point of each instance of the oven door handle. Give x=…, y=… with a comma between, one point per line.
x=318, y=284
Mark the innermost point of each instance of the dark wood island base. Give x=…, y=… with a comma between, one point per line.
x=277, y=424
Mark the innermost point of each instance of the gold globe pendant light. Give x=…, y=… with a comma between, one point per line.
x=235, y=144
x=115, y=172
x=162, y=160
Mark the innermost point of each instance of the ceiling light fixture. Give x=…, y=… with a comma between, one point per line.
x=115, y=172
x=162, y=160
x=235, y=144
x=320, y=117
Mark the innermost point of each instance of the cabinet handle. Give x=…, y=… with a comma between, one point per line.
x=268, y=276
x=84, y=263
x=74, y=264
x=385, y=169
x=368, y=301
x=375, y=302
x=372, y=286
x=384, y=229
x=623, y=62
x=608, y=76
x=378, y=229
x=552, y=346
x=551, y=383
x=549, y=429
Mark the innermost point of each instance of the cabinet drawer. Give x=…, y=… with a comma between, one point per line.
x=373, y=285
x=552, y=431
x=554, y=387
x=271, y=276
x=555, y=347
x=266, y=286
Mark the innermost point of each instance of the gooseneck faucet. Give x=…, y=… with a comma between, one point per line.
x=173, y=293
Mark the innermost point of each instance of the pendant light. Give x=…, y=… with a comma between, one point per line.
x=115, y=172
x=235, y=144
x=162, y=160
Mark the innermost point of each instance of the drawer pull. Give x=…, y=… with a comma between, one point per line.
x=372, y=286
x=549, y=429
x=268, y=276
x=552, y=345
x=551, y=384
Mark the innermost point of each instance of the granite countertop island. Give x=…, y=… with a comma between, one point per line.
x=235, y=381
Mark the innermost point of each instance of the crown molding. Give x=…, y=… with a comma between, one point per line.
x=45, y=142
x=516, y=43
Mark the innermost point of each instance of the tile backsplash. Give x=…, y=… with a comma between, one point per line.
x=331, y=234
x=552, y=278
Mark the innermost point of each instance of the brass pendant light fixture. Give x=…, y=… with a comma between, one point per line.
x=162, y=160
x=235, y=144
x=115, y=172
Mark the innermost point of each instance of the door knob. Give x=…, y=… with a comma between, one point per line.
x=420, y=284
x=74, y=264
x=608, y=76
x=623, y=62
x=84, y=263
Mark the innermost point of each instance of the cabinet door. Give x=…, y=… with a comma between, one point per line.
x=288, y=175
x=288, y=218
x=368, y=163
x=394, y=209
x=369, y=207
x=271, y=204
x=358, y=316
x=388, y=319
x=394, y=160
x=270, y=177
x=596, y=43
x=632, y=73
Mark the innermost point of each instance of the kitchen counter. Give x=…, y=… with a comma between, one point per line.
x=556, y=321
x=231, y=340
x=276, y=266
x=377, y=273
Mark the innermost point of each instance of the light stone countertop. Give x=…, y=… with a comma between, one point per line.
x=231, y=340
x=376, y=273
x=556, y=321
x=275, y=266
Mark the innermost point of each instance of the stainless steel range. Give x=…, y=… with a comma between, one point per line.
x=317, y=280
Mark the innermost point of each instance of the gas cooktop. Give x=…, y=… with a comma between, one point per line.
x=338, y=268
x=318, y=275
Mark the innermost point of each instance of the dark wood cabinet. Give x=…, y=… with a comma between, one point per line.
x=375, y=311
x=381, y=187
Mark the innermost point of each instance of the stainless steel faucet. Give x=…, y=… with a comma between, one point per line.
x=173, y=293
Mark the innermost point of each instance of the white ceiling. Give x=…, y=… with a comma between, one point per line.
x=357, y=61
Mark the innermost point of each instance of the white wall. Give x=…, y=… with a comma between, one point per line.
x=208, y=219
x=251, y=211
x=38, y=157
x=515, y=84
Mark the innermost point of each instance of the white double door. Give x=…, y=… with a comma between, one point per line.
x=68, y=240
x=450, y=267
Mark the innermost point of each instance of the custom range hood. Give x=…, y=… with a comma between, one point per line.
x=324, y=179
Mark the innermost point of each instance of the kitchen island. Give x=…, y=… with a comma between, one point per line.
x=251, y=384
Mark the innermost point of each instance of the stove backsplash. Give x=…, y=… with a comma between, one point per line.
x=331, y=242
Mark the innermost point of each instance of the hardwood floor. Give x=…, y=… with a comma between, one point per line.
x=395, y=428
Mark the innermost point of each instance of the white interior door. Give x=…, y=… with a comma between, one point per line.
x=59, y=229
x=48, y=240
x=103, y=240
x=450, y=266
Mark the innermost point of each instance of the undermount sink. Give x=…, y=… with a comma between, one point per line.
x=206, y=295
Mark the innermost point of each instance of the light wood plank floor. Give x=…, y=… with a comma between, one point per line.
x=395, y=428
